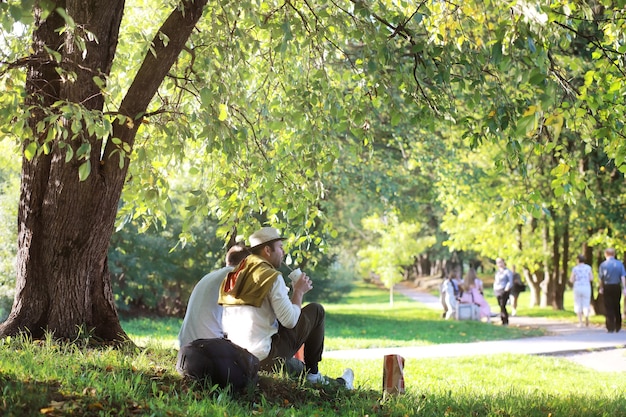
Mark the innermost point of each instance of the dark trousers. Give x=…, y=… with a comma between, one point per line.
x=308, y=331
x=613, y=313
x=502, y=300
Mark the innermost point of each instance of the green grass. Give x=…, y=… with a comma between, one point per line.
x=363, y=319
x=56, y=379
x=366, y=320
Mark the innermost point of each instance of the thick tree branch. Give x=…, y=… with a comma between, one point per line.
x=166, y=46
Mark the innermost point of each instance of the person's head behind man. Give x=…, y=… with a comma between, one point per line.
x=236, y=254
x=268, y=244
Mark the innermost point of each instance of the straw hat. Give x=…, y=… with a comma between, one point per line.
x=264, y=235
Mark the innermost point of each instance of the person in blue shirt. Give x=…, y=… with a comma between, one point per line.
x=612, y=283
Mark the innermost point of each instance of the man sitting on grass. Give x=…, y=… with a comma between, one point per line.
x=260, y=317
x=203, y=318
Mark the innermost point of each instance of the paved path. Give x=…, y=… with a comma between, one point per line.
x=591, y=346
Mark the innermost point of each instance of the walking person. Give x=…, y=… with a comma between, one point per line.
x=612, y=282
x=582, y=279
x=449, y=293
x=518, y=287
x=502, y=284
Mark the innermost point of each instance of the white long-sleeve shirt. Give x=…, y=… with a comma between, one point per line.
x=203, y=319
x=253, y=327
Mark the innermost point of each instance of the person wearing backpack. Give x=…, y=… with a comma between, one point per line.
x=518, y=287
x=260, y=316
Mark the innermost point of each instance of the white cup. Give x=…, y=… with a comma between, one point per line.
x=295, y=275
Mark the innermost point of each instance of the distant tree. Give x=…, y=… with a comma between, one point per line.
x=392, y=247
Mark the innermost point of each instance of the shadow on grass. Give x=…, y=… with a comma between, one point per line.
x=23, y=397
x=93, y=395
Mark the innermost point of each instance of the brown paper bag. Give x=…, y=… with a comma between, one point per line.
x=393, y=374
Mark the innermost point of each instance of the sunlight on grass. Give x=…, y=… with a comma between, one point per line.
x=459, y=372
x=53, y=378
x=157, y=332
x=363, y=319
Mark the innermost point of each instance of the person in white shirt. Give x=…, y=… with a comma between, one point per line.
x=449, y=292
x=203, y=317
x=581, y=278
x=260, y=316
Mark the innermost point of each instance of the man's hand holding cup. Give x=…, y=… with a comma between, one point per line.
x=300, y=281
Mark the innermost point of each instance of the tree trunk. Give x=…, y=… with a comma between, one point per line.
x=598, y=300
x=64, y=224
x=563, y=277
x=534, y=286
x=552, y=287
x=555, y=287
x=545, y=284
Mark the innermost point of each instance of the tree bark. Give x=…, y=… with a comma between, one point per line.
x=563, y=275
x=64, y=224
x=534, y=286
x=545, y=283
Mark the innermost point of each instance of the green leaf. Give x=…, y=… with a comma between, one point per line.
x=69, y=154
x=84, y=170
x=531, y=45
x=287, y=35
x=30, y=151
x=496, y=52
x=525, y=125
x=537, y=77
x=84, y=150
x=223, y=112
x=163, y=38
x=68, y=19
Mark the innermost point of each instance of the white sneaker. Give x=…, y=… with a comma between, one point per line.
x=514, y=313
x=317, y=378
x=348, y=377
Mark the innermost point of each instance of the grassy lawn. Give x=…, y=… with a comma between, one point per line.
x=56, y=379
x=364, y=319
